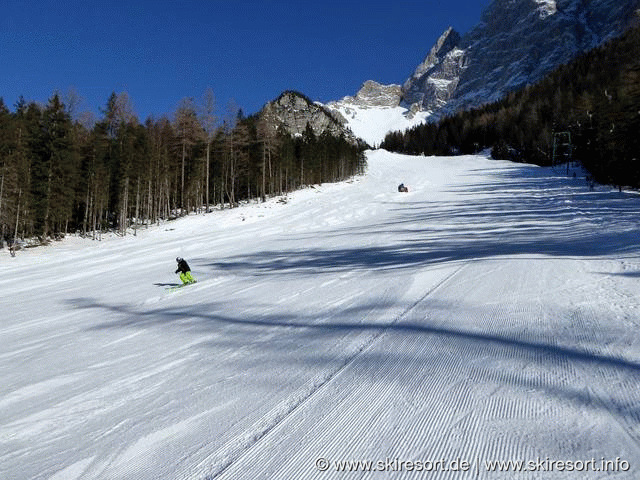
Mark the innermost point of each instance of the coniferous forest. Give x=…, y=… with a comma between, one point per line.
x=592, y=104
x=59, y=175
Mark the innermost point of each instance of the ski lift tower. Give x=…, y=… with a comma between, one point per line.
x=562, y=149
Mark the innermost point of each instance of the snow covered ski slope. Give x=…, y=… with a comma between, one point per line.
x=490, y=314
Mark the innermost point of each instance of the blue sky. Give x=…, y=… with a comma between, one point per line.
x=247, y=51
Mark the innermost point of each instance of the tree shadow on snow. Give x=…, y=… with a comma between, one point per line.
x=217, y=318
x=522, y=212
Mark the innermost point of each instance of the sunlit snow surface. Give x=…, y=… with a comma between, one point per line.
x=373, y=123
x=491, y=313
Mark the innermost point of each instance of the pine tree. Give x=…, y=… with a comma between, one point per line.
x=59, y=162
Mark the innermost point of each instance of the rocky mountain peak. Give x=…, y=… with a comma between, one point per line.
x=435, y=79
x=516, y=43
x=519, y=41
x=447, y=41
x=374, y=94
x=293, y=111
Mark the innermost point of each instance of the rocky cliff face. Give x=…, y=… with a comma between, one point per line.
x=293, y=111
x=519, y=41
x=516, y=43
x=436, y=78
x=374, y=94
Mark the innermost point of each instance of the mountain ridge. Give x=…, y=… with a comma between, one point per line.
x=516, y=43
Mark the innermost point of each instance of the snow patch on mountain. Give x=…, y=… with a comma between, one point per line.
x=546, y=8
x=375, y=111
x=371, y=124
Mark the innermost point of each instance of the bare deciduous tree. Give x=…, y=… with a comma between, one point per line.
x=209, y=121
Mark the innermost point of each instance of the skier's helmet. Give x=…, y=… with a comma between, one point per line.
x=178, y=259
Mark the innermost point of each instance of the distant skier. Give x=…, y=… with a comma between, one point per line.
x=185, y=271
x=403, y=188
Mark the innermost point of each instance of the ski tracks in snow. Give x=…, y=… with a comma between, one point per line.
x=230, y=455
x=456, y=377
x=480, y=316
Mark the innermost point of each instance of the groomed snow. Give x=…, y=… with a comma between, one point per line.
x=491, y=313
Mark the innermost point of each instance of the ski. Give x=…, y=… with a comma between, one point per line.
x=178, y=287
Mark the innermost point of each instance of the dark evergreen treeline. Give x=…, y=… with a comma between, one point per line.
x=59, y=176
x=596, y=99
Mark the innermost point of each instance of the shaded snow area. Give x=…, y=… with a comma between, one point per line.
x=372, y=124
x=490, y=314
